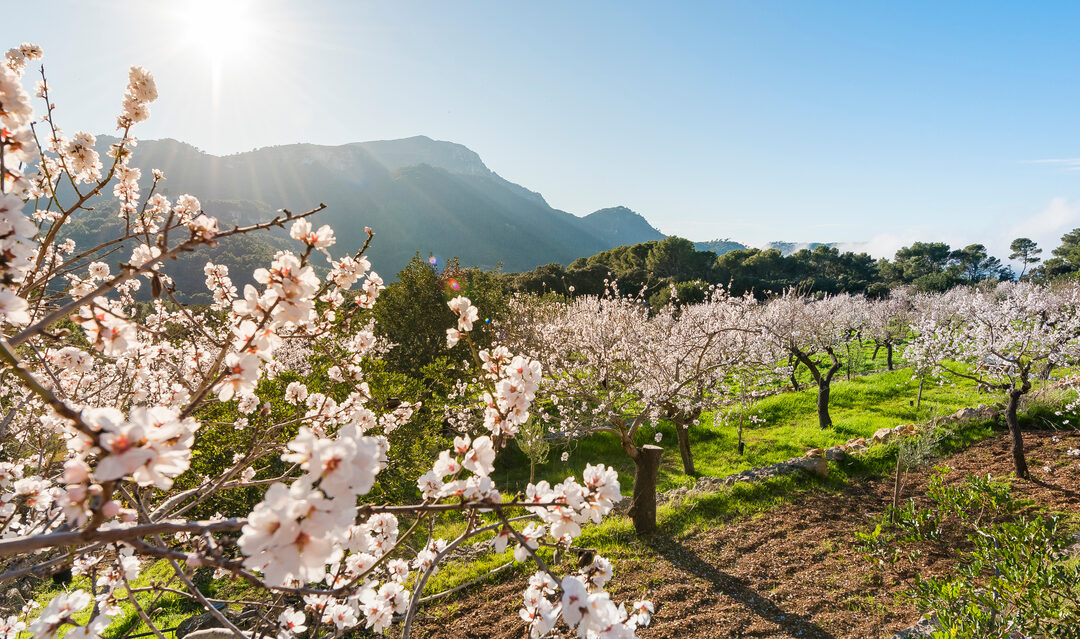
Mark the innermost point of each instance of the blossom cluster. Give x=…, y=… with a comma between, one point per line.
x=114, y=395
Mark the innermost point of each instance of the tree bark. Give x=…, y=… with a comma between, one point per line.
x=682, y=433
x=824, y=419
x=877, y=347
x=1019, y=460
x=888, y=355
x=794, y=380
x=643, y=506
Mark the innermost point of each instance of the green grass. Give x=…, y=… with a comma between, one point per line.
x=858, y=408
x=165, y=608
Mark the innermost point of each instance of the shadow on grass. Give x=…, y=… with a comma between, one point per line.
x=738, y=589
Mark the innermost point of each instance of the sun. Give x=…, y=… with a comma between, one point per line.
x=221, y=31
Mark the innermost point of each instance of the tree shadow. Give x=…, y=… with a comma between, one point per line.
x=738, y=589
x=1054, y=487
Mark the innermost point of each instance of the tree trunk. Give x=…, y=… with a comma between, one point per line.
x=741, y=444
x=824, y=420
x=794, y=380
x=877, y=347
x=888, y=355
x=1019, y=460
x=643, y=505
x=682, y=433
x=918, y=402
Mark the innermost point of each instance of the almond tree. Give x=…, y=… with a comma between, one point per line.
x=997, y=337
x=593, y=351
x=105, y=404
x=698, y=349
x=887, y=322
x=810, y=330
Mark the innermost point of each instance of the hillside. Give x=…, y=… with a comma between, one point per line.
x=418, y=194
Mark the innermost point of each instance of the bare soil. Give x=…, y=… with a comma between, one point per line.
x=794, y=571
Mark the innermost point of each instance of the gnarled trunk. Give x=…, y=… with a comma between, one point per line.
x=824, y=419
x=643, y=505
x=1019, y=460
x=682, y=433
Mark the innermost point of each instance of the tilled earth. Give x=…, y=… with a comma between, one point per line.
x=794, y=571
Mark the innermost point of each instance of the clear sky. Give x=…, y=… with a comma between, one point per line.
x=881, y=122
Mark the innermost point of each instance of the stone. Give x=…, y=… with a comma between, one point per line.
x=836, y=453
x=212, y=633
x=194, y=626
x=925, y=628
x=815, y=452
x=813, y=465
x=858, y=441
x=198, y=623
x=966, y=413
x=882, y=434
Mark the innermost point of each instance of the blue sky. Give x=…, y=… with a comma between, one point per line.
x=871, y=123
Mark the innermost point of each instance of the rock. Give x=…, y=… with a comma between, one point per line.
x=815, y=452
x=674, y=495
x=836, y=453
x=193, y=627
x=925, y=628
x=196, y=623
x=966, y=413
x=882, y=434
x=212, y=633
x=813, y=465
x=859, y=441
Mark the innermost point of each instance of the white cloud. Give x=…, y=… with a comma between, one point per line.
x=1068, y=164
x=885, y=244
x=1058, y=217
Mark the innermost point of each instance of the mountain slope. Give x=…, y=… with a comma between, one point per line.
x=417, y=194
x=621, y=226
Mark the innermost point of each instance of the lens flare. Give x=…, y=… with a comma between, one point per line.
x=454, y=284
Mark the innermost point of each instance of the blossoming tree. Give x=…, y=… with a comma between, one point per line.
x=997, y=338
x=697, y=351
x=105, y=403
x=810, y=331
x=611, y=368
x=887, y=322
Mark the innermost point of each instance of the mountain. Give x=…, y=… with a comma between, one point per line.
x=417, y=194
x=621, y=226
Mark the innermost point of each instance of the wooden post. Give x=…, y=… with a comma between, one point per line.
x=643, y=506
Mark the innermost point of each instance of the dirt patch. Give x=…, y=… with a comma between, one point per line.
x=792, y=572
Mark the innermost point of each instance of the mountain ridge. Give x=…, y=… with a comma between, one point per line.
x=418, y=194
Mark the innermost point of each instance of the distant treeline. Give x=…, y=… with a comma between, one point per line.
x=658, y=265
